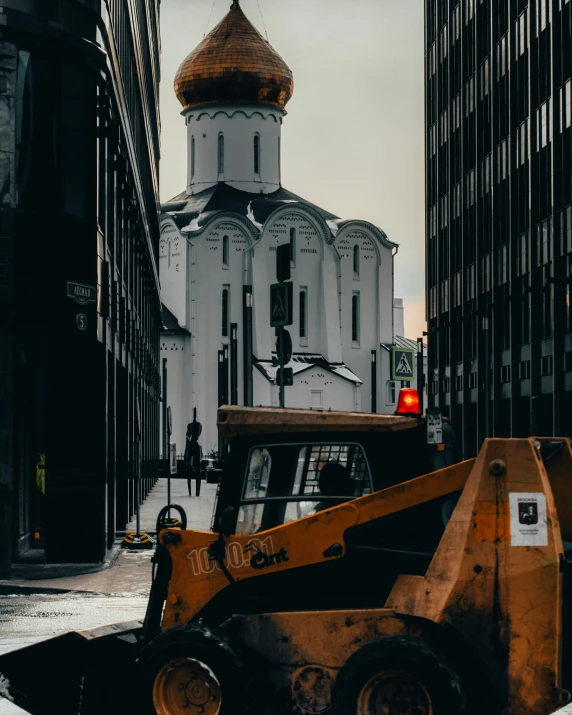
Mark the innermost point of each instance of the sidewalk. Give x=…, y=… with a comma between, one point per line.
x=125, y=572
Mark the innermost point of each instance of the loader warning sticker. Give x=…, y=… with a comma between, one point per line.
x=528, y=525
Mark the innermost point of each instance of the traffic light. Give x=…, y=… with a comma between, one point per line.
x=283, y=260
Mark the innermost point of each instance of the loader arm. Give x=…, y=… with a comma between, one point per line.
x=197, y=576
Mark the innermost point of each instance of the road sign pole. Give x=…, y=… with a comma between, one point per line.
x=281, y=357
x=420, y=373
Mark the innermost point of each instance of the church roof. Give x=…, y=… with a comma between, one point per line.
x=300, y=362
x=234, y=64
x=192, y=212
x=170, y=322
x=401, y=342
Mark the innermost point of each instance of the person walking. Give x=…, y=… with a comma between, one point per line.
x=193, y=454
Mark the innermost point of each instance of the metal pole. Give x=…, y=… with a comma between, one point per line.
x=487, y=375
x=166, y=436
x=233, y=364
x=220, y=394
x=137, y=483
x=247, y=345
x=420, y=374
x=225, y=390
x=281, y=358
x=165, y=426
x=374, y=380
x=138, y=466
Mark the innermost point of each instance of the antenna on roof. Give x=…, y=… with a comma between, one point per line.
x=262, y=17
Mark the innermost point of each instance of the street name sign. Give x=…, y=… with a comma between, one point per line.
x=281, y=304
x=403, y=364
x=82, y=293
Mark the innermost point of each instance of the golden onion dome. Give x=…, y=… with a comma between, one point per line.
x=234, y=64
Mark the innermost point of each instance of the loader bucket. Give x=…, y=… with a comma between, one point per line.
x=78, y=673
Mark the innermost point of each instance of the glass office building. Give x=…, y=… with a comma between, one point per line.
x=79, y=293
x=499, y=216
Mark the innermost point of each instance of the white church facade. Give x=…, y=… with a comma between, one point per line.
x=218, y=254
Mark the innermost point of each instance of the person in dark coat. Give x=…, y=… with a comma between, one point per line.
x=194, y=455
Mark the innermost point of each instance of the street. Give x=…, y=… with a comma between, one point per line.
x=79, y=601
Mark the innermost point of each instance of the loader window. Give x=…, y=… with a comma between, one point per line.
x=287, y=482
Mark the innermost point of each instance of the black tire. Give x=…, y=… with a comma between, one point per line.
x=202, y=644
x=403, y=654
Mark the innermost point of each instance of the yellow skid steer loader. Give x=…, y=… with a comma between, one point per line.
x=330, y=584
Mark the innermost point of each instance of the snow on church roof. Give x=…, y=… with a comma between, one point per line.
x=300, y=362
x=190, y=213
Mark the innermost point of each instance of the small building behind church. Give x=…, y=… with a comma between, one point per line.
x=218, y=254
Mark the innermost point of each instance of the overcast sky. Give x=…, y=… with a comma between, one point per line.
x=352, y=142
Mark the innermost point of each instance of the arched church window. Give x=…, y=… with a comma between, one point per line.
x=356, y=261
x=257, y=154
x=390, y=393
x=303, y=322
x=355, y=318
x=225, y=312
x=293, y=246
x=225, y=250
x=192, y=157
x=221, y=153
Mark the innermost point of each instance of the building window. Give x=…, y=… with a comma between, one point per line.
x=390, y=393
x=225, y=307
x=542, y=9
x=522, y=143
x=293, y=246
x=225, y=250
x=520, y=42
x=524, y=370
x=221, y=153
x=546, y=366
x=316, y=399
x=303, y=324
x=565, y=118
x=356, y=261
x=256, y=154
x=502, y=161
x=355, y=318
x=192, y=157
x=543, y=126
x=502, y=59
x=279, y=160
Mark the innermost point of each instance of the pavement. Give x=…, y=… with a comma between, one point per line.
x=126, y=573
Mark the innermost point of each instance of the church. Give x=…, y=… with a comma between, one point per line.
x=218, y=254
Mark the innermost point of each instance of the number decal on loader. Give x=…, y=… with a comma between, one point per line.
x=258, y=553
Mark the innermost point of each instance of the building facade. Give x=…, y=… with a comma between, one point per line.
x=498, y=230
x=218, y=253
x=79, y=291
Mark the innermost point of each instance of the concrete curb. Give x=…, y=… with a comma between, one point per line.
x=45, y=572
x=18, y=590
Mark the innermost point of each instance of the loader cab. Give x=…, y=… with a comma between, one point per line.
x=283, y=465
x=287, y=481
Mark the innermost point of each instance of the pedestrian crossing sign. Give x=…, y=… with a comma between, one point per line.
x=403, y=364
x=281, y=304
